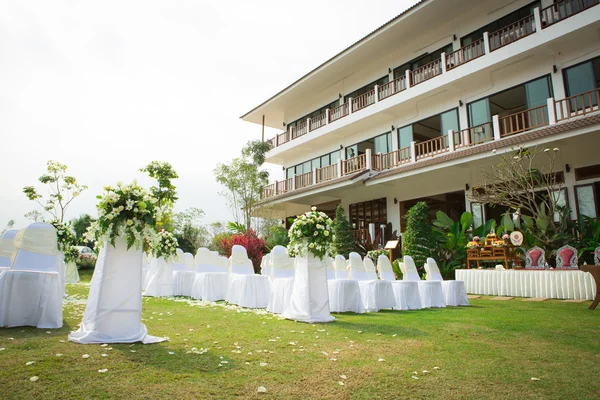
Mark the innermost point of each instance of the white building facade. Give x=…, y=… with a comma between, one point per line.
x=413, y=111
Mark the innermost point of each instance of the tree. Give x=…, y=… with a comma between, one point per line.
x=80, y=226
x=418, y=241
x=62, y=189
x=189, y=231
x=244, y=181
x=343, y=240
x=256, y=150
x=34, y=215
x=8, y=226
x=165, y=192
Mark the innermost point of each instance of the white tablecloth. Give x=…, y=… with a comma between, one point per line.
x=573, y=284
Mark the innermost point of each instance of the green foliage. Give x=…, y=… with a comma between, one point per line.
x=189, y=231
x=396, y=269
x=34, y=215
x=278, y=236
x=452, y=238
x=80, y=226
x=62, y=190
x=236, y=228
x=71, y=255
x=86, y=261
x=256, y=151
x=343, y=241
x=217, y=242
x=374, y=254
x=418, y=240
x=164, y=246
x=589, y=238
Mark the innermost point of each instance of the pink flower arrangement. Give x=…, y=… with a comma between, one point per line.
x=505, y=236
x=476, y=238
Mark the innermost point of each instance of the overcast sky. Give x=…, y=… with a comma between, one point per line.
x=107, y=86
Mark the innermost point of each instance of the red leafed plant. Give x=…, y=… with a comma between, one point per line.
x=254, y=246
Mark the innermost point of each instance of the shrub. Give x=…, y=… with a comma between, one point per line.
x=396, y=269
x=343, y=239
x=418, y=239
x=216, y=243
x=278, y=236
x=255, y=246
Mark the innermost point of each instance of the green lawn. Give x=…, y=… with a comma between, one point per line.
x=488, y=351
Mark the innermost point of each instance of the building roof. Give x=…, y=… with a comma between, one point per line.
x=340, y=54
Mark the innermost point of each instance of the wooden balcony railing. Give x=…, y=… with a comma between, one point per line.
x=362, y=236
x=364, y=100
x=284, y=186
x=282, y=138
x=574, y=106
x=425, y=72
x=317, y=122
x=511, y=33
x=268, y=191
x=299, y=130
x=272, y=141
x=304, y=180
x=393, y=87
x=432, y=147
x=338, y=112
x=562, y=10
x=355, y=164
x=327, y=173
x=392, y=159
x=464, y=55
x=523, y=121
x=474, y=135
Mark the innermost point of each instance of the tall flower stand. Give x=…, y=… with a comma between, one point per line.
x=72, y=275
x=310, y=297
x=114, y=307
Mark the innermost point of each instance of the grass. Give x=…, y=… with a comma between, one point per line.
x=488, y=351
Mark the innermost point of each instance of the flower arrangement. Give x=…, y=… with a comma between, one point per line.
x=311, y=231
x=164, y=246
x=126, y=211
x=71, y=255
x=374, y=254
x=64, y=236
x=476, y=239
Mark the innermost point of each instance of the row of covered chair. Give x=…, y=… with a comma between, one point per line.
x=566, y=258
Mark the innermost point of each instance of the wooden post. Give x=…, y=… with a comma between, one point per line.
x=263, y=128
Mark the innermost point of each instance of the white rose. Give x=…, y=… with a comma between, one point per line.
x=312, y=245
x=326, y=233
x=313, y=208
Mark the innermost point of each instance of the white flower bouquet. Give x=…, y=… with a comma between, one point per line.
x=126, y=211
x=65, y=241
x=312, y=232
x=164, y=246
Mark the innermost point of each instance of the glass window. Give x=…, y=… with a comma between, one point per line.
x=334, y=157
x=479, y=112
x=477, y=212
x=290, y=172
x=537, y=94
x=583, y=78
x=586, y=200
x=351, y=151
x=325, y=160
x=316, y=163
x=405, y=136
x=449, y=122
x=306, y=167
x=560, y=199
x=382, y=144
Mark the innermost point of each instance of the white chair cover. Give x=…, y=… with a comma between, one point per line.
x=455, y=292
x=406, y=293
x=265, y=264
x=310, y=298
x=189, y=262
x=211, y=278
x=31, y=292
x=344, y=296
x=282, y=279
x=160, y=278
x=113, y=313
x=375, y=294
x=431, y=292
x=184, y=273
x=245, y=288
x=340, y=265
x=179, y=263
x=7, y=248
x=329, y=264
x=71, y=275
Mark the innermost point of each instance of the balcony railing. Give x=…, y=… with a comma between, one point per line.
x=510, y=34
x=317, y=122
x=364, y=100
x=564, y=9
x=284, y=186
x=432, y=147
x=304, y=180
x=326, y=173
x=425, y=72
x=503, y=37
x=268, y=191
x=523, y=121
x=464, y=55
x=338, y=112
x=473, y=136
x=577, y=105
x=355, y=164
x=391, y=88
x=392, y=159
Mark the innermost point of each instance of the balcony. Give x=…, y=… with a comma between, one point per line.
x=497, y=130
x=533, y=24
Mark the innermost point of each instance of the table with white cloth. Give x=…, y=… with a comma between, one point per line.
x=555, y=284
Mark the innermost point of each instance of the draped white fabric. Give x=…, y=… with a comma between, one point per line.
x=189, y=262
x=31, y=292
x=344, y=296
x=406, y=293
x=310, y=298
x=431, y=292
x=179, y=263
x=455, y=293
x=114, y=308
x=245, y=288
x=282, y=279
x=71, y=275
x=329, y=265
x=384, y=267
x=555, y=284
x=375, y=294
x=265, y=265
x=211, y=278
x=7, y=248
x=370, y=268
x=160, y=278
x=183, y=280
x=340, y=265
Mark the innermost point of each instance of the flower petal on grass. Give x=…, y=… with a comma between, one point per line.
x=103, y=370
x=262, y=389
x=343, y=376
x=381, y=360
x=341, y=383
x=34, y=378
x=415, y=377
x=535, y=379
x=85, y=356
x=263, y=364
x=30, y=363
x=436, y=367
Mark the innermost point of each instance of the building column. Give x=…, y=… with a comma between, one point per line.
x=395, y=144
x=558, y=84
x=463, y=117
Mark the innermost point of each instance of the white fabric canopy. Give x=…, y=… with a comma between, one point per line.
x=160, y=279
x=431, y=292
x=554, y=284
x=455, y=293
x=310, y=297
x=406, y=293
x=114, y=308
x=245, y=288
x=31, y=292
